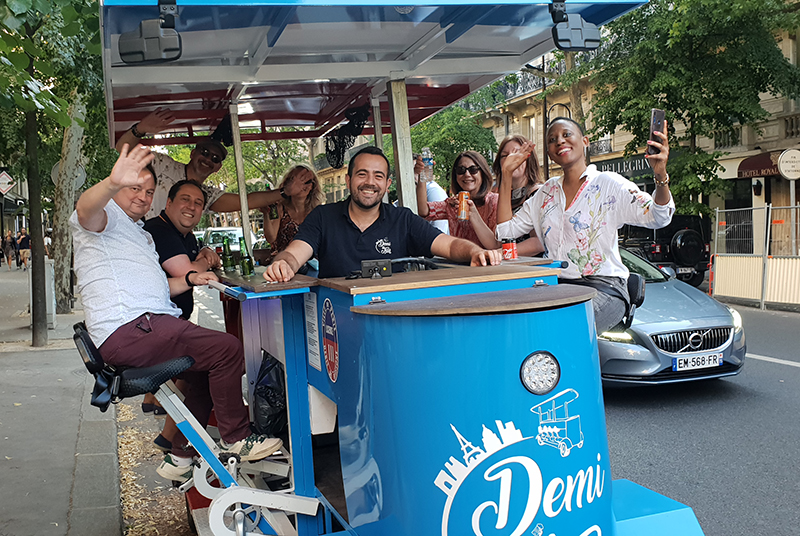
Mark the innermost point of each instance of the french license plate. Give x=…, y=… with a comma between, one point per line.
x=696, y=362
x=685, y=269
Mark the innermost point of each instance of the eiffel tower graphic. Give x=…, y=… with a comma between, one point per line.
x=471, y=453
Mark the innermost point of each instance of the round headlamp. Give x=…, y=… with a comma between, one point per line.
x=540, y=373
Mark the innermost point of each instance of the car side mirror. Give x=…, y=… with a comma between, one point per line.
x=669, y=271
x=152, y=42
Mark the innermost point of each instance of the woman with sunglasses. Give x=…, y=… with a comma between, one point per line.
x=526, y=177
x=282, y=219
x=577, y=215
x=470, y=174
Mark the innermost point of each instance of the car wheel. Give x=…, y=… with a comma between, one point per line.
x=687, y=247
x=697, y=279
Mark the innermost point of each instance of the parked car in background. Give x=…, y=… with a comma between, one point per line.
x=678, y=334
x=683, y=245
x=213, y=237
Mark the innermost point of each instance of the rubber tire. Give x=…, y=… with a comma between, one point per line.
x=697, y=279
x=687, y=247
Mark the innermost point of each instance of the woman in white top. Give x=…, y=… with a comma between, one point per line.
x=576, y=216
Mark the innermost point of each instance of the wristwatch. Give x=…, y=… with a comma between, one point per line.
x=187, y=278
x=136, y=133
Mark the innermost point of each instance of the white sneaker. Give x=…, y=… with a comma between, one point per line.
x=174, y=472
x=252, y=448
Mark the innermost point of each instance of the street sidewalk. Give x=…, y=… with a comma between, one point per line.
x=58, y=463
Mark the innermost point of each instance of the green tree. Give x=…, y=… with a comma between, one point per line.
x=36, y=35
x=704, y=62
x=448, y=133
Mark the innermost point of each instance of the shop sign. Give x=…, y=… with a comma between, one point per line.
x=627, y=167
x=6, y=182
x=789, y=164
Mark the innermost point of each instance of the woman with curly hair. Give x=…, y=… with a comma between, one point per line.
x=282, y=219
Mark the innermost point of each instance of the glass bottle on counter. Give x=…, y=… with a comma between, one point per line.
x=246, y=262
x=227, y=257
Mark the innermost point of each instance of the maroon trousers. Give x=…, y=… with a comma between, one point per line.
x=215, y=379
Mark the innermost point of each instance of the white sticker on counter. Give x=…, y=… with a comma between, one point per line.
x=312, y=330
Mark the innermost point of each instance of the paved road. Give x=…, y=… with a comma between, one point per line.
x=727, y=448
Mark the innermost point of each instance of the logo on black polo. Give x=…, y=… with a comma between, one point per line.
x=383, y=246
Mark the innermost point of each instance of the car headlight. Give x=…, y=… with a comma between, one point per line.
x=540, y=373
x=737, y=319
x=616, y=336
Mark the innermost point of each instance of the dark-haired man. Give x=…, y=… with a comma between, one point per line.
x=176, y=245
x=126, y=300
x=362, y=227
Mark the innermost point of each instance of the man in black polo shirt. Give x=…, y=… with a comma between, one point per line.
x=176, y=245
x=362, y=227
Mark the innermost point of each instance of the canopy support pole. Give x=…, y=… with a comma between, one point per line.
x=401, y=141
x=239, y=161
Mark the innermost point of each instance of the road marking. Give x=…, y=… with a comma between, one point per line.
x=214, y=316
x=773, y=360
x=221, y=322
x=201, y=306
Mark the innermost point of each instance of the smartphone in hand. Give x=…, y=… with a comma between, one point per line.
x=656, y=124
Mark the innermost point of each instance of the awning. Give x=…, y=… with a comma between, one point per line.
x=304, y=63
x=760, y=165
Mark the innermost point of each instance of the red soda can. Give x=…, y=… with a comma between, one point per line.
x=509, y=249
x=463, y=206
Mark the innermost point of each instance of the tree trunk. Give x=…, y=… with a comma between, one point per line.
x=39, y=306
x=65, y=202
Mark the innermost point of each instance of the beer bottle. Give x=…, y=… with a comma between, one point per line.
x=246, y=262
x=227, y=258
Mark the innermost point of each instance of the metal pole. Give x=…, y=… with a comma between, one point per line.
x=237, y=153
x=765, y=258
x=401, y=140
x=376, y=123
x=711, y=279
x=793, y=216
x=545, y=124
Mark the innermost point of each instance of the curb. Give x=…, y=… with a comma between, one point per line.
x=95, y=507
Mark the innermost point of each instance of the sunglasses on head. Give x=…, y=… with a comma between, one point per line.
x=212, y=156
x=473, y=170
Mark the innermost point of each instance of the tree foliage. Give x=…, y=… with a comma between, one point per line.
x=265, y=162
x=705, y=62
x=448, y=133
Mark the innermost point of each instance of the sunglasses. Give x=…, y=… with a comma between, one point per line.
x=208, y=154
x=473, y=170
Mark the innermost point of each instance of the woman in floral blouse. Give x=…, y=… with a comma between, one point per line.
x=577, y=215
x=470, y=174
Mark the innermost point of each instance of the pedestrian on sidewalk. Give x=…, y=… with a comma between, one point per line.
x=24, y=243
x=8, y=248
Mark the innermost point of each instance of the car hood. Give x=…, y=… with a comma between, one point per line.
x=678, y=302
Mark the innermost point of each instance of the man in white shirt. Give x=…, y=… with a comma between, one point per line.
x=126, y=299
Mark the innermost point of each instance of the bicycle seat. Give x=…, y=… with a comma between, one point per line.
x=112, y=384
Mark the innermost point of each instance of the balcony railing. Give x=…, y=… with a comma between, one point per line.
x=792, y=126
x=724, y=139
x=600, y=147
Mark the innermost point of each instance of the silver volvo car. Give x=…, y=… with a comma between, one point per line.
x=678, y=334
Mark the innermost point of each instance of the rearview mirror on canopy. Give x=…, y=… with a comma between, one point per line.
x=152, y=42
x=571, y=32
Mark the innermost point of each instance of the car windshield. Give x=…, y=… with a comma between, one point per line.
x=637, y=265
x=217, y=237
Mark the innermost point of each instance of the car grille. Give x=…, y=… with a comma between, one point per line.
x=692, y=340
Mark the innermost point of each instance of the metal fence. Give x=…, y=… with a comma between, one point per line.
x=756, y=254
